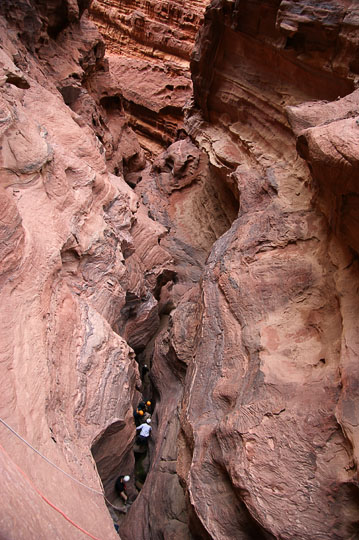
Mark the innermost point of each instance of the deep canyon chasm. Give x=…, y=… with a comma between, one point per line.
x=179, y=189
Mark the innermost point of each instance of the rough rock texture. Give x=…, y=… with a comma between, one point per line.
x=67, y=250
x=268, y=440
x=152, y=98
x=327, y=139
x=150, y=43
x=231, y=269
x=182, y=192
x=272, y=424
x=164, y=29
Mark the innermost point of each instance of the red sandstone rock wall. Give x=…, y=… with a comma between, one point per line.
x=250, y=333
x=164, y=29
x=267, y=446
x=269, y=403
x=67, y=259
x=149, y=46
x=182, y=192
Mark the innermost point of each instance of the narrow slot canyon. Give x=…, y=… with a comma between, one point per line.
x=179, y=269
x=196, y=204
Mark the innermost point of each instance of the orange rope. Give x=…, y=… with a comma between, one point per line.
x=47, y=500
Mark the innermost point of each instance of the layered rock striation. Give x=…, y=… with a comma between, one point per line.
x=183, y=192
x=149, y=46
x=227, y=263
x=164, y=30
x=267, y=440
x=68, y=266
x=269, y=426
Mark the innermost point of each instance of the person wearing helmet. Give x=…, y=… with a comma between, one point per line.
x=138, y=415
x=145, y=431
x=146, y=417
x=141, y=406
x=149, y=406
x=120, y=487
x=144, y=371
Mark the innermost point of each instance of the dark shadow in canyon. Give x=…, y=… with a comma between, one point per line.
x=197, y=203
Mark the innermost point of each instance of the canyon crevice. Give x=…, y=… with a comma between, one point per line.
x=179, y=191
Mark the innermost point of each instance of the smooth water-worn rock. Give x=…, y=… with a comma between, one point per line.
x=67, y=240
x=219, y=250
x=266, y=411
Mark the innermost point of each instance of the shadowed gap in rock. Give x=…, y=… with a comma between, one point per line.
x=109, y=464
x=105, y=450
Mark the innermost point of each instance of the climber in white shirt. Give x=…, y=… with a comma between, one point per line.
x=145, y=430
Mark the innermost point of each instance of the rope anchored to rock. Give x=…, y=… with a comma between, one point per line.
x=55, y=466
x=47, y=500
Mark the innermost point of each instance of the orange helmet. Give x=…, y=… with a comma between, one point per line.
x=148, y=403
x=140, y=413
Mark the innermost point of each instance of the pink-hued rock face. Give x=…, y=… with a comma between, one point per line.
x=268, y=414
x=67, y=228
x=150, y=44
x=162, y=29
x=327, y=139
x=220, y=250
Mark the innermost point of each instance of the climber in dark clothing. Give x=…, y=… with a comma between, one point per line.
x=120, y=487
x=144, y=370
x=138, y=416
x=149, y=406
x=141, y=406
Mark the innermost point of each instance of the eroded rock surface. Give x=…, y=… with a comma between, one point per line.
x=67, y=243
x=267, y=446
x=230, y=269
x=152, y=29
x=266, y=426
x=150, y=44
x=183, y=192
